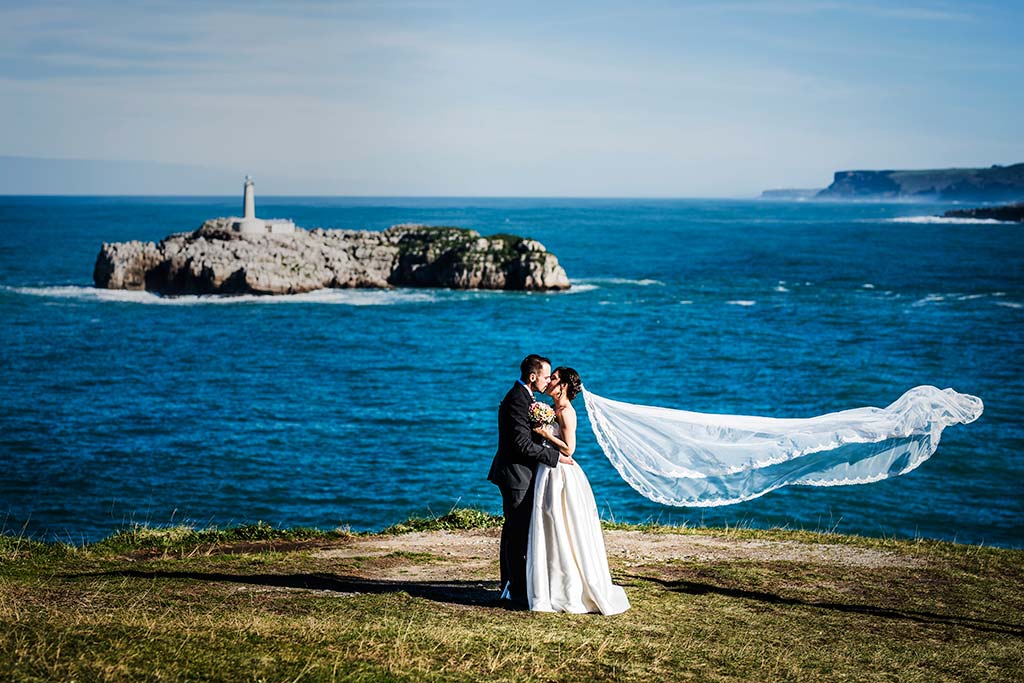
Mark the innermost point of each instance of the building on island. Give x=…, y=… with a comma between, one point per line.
x=249, y=224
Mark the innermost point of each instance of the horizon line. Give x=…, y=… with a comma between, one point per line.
x=381, y=196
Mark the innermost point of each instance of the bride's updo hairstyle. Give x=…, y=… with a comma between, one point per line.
x=571, y=380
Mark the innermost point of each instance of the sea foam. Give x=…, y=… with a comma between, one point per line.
x=947, y=221
x=644, y=282
x=349, y=297
x=931, y=298
x=579, y=287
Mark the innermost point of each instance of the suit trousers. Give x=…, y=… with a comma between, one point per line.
x=517, y=505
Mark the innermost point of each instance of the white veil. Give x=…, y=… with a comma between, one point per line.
x=677, y=457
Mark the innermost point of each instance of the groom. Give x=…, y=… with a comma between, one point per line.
x=520, y=450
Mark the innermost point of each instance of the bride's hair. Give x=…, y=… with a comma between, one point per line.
x=571, y=379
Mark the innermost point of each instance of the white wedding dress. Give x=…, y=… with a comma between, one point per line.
x=566, y=562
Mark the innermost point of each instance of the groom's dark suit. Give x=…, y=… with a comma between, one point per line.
x=520, y=450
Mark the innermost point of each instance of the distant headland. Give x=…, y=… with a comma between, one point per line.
x=983, y=185
x=249, y=255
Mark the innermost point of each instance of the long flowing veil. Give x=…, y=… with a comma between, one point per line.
x=677, y=457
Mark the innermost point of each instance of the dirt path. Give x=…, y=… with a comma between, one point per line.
x=442, y=555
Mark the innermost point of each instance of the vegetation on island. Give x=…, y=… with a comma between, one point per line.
x=424, y=252
x=418, y=602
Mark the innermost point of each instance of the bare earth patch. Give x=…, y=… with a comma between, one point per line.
x=474, y=554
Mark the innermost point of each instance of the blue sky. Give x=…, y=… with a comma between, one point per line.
x=635, y=99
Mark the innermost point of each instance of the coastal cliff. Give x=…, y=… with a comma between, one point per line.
x=994, y=184
x=218, y=260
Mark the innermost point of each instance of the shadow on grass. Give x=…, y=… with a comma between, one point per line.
x=695, y=588
x=473, y=593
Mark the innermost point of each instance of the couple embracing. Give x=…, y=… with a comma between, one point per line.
x=553, y=557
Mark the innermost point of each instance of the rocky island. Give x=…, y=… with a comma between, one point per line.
x=218, y=260
x=253, y=256
x=1007, y=212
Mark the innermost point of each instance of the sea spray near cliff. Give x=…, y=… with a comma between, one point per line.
x=347, y=297
x=947, y=220
x=362, y=407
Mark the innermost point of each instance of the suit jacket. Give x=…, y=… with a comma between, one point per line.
x=520, y=450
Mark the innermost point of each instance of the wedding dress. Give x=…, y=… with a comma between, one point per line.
x=677, y=457
x=566, y=562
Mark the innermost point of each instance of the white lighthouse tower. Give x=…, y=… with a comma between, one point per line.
x=249, y=224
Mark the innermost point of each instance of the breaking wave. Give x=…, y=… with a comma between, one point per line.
x=579, y=286
x=597, y=281
x=336, y=296
x=349, y=297
x=947, y=221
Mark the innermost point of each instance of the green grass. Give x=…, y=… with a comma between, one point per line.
x=263, y=604
x=457, y=519
x=184, y=538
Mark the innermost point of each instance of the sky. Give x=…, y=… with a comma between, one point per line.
x=453, y=98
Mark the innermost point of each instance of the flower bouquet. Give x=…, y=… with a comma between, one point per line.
x=541, y=414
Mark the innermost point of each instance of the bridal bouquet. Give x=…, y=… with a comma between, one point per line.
x=541, y=414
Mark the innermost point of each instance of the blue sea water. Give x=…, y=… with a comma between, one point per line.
x=362, y=408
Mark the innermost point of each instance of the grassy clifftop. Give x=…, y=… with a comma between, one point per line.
x=417, y=602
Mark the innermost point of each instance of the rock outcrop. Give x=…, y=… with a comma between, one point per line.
x=994, y=184
x=1007, y=212
x=217, y=260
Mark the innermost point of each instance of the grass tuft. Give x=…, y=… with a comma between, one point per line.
x=457, y=519
x=12, y=545
x=184, y=537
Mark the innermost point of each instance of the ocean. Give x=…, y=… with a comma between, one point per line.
x=360, y=408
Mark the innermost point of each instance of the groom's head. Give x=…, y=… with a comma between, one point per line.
x=535, y=371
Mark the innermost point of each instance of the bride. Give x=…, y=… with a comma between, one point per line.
x=683, y=458
x=566, y=563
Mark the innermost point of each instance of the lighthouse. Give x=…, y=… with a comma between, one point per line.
x=249, y=199
x=251, y=225
x=249, y=222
